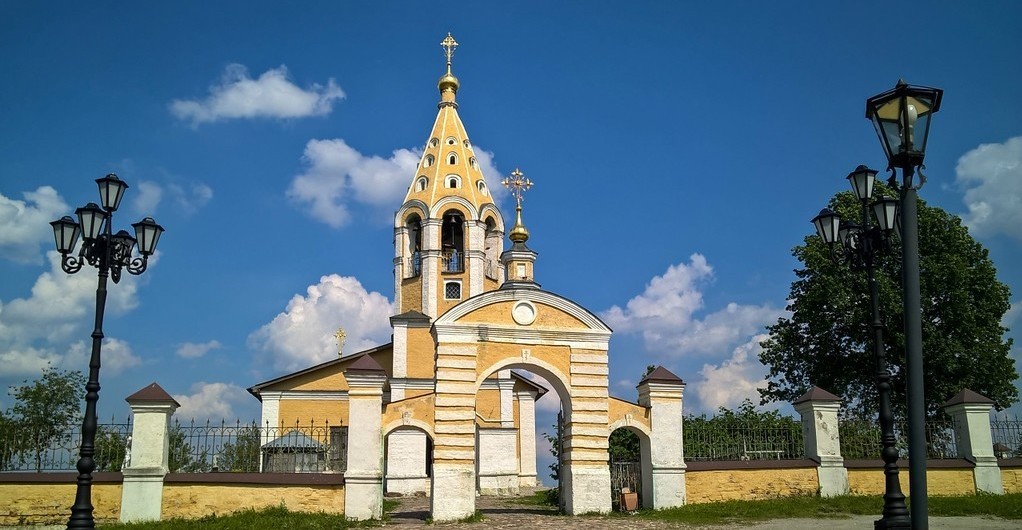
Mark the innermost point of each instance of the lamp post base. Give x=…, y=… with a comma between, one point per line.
x=883, y=524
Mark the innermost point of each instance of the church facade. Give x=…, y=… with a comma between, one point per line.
x=442, y=409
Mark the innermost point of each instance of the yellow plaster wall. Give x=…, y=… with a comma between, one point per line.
x=308, y=411
x=618, y=408
x=546, y=316
x=190, y=501
x=326, y=378
x=421, y=409
x=938, y=481
x=749, y=484
x=40, y=503
x=411, y=294
x=488, y=406
x=421, y=361
x=1011, y=477
x=417, y=392
x=490, y=353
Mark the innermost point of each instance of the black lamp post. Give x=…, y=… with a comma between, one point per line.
x=108, y=252
x=860, y=246
x=901, y=117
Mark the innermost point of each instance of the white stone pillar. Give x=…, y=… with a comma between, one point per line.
x=363, y=479
x=527, y=439
x=971, y=414
x=142, y=489
x=506, y=387
x=819, y=410
x=662, y=393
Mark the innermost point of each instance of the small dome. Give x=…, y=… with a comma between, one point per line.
x=448, y=81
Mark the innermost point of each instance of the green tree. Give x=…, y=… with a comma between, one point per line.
x=45, y=409
x=742, y=433
x=242, y=456
x=111, y=447
x=555, y=448
x=10, y=443
x=624, y=446
x=181, y=458
x=827, y=340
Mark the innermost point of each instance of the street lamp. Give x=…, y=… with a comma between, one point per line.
x=901, y=117
x=110, y=253
x=859, y=245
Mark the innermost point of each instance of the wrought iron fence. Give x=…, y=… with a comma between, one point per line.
x=452, y=261
x=241, y=447
x=49, y=448
x=1006, y=434
x=860, y=439
x=736, y=438
x=624, y=476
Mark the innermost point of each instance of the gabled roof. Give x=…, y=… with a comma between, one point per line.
x=967, y=396
x=257, y=388
x=661, y=375
x=366, y=364
x=153, y=392
x=816, y=394
x=293, y=440
x=540, y=389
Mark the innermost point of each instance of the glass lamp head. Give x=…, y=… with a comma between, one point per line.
x=901, y=117
x=111, y=190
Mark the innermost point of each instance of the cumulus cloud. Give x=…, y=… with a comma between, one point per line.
x=991, y=177
x=272, y=95
x=1012, y=314
x=187, y=200
x=665, y=314
x=336, y=175
x=212, y=401
x=24, y=224
x=303, y=334
x=116, y=355
x=192, y=350
x=734, y=380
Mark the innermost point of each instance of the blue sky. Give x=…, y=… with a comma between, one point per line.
x=678, y=149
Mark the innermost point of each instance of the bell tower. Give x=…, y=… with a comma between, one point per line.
x=448, y=233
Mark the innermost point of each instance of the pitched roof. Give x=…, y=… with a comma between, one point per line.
x=661, y=375
x=293, y=440
x=967, y=396
x=365, y=364
x=816, y=394
x=257, y=388
x=539, y=388
x=153, y=392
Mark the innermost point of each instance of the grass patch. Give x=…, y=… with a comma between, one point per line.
x=276, y=518
x=1004, y=506
x=548, y=497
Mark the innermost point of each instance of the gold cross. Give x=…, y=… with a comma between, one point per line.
x=449, y=45
x=340, y=336
x=518, y=184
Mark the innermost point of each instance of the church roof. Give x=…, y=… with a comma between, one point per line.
x=257, y=389
x=448, y=157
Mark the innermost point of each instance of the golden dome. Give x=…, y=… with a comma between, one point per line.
x=519, y=234
x=448, y=82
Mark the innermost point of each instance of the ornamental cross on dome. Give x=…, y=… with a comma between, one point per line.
x=518, y=184
x=449, y=45
x=340, y=335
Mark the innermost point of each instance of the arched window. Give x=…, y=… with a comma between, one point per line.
x=433, y=142
x=414, y=228
x=452, y=181
x=467, y=144
x=472, y=162
x=451, y=140
x=420, y=184
x=452, y=158
x=452, y=241
x=482, y=187
x=428, y=161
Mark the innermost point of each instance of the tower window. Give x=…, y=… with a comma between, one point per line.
x=453, y=181
x=451, y=140
x=452, y=158
x=433, y=142
x=452, y=290
x=472, y=162
x=452, y=241
x=428, y=161
x=467, y=144
x=482, y=187
x=420, y=185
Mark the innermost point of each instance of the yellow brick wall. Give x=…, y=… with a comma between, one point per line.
x=319, y=412
x=490, y=353
x=411, y=295
x=1011, y=477
x=190, y=501
x=938, y=481
x=488, y=406
x=421, y=359
x=546, y=316
x=421, y=408
x=619, y=407
x=37, y=504
x=749, y=484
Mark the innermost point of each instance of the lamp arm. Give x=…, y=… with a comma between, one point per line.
x=138, y=265
x=70, y=264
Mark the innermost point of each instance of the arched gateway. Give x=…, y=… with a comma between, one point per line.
x=443, y=409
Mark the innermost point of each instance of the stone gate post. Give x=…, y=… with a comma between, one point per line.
x=363, y=478
x=662, y=392
x=819, y=410
x=971, y=414
x=142, y=489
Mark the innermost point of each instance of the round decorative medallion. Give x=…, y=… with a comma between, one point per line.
x=524, y=313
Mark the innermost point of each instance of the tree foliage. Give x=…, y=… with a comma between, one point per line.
x=111, y=448
x=737, y=434
x=827, y=340
x=44, y=408
x=182, y=458
x=242, y=456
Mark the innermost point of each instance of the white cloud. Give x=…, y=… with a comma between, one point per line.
x=213, y=401
x=116, y=356
x=272, y=95
x=191, y=350
x=1012, y=314
x=24, y=224
x=303, y=334
x=991, y=177
x=186, y=200
x=665, y=314
x=336, y=175
x=734, y=380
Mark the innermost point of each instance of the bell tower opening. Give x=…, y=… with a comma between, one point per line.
x=452, y=241
x=413, y=226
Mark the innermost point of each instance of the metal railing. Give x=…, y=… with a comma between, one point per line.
x=413, y=266
x=238, y=447
x=49, y=448
x=860, y=439
x=452, y=261
x=714, y=439
x=1006, y=434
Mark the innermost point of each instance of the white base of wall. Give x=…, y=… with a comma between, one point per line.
x=589, y=487
x=499, y=485
x=528, y=481
x=454, y=493
x=988, y=477
x=833, y=478
x=363, y=497
x=668, y=487
x=142, y=494
x=407, y=485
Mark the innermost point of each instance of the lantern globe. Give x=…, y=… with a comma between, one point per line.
x=886, y=211
x=862, y=180
x=125, y=241
x=846, y=234
x=65, y=234
x=901, y=117
x=147, y=233
x=827, y=223
x=111, y=190
x=91, y=218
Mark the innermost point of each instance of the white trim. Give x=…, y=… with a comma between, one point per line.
x=461, y=290
x=438, y=209
x=474, y=333
x=596, y=326
x=399, y=216
x=447, y=179
x=490, y=207
x=323, y=395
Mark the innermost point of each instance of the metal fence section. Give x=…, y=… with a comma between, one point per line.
x=251, y=448
x=860, y=439
x=49, y=448
x=724, y=438
x=1006, y=434
x=625, y=476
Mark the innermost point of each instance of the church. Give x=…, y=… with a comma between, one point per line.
x=441, y=409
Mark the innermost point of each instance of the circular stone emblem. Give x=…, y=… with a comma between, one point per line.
x=524, y=313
